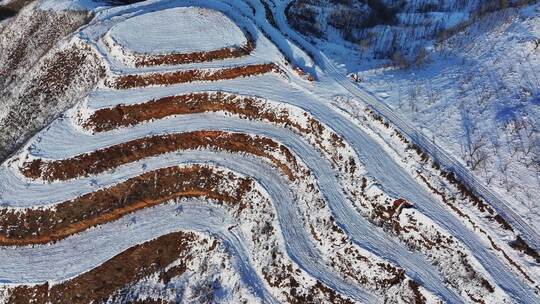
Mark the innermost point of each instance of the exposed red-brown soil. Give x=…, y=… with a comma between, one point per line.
x=195, y=57
x=100, y=283
x=391, y=213
x=170, y=78
x=245, y=107
x=128, y=115
x=111, y=157
x=198, y=102
x=38, y=226
x=120, y=272
x=303, y=74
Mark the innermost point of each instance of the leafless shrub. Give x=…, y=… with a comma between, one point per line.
x=421, y=57
x=399, y=60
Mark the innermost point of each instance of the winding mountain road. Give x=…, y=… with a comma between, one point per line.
x=332, y=73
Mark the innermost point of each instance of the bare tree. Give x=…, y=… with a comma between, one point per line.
x=421, y=57
x=414, y=92
x=477, y=153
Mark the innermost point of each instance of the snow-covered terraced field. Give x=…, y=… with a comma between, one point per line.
x=178, y=30
x=229, y=176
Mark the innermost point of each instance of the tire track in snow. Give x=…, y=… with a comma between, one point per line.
x=331, y=74
x=56, y=144
x=302, y=250
x=378, y=163
x=85, y=251
x=351, y=223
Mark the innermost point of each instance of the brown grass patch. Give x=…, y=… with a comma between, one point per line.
x=195, y=57
x=111, y=157
x=123, y=270
x=129, y=115
x=100, y=283
x=38, y=226
x=245, y=107
x=153, y=79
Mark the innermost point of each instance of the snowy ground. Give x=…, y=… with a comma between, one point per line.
x=384, y=169
x=178, y=30
x=476, y=97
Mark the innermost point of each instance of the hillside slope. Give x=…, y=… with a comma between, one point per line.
x=42, y=72
x=227, y=162
x=464, y=73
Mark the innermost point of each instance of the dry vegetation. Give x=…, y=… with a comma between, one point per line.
x=111, y=157
x=100, y=283
x=196, y=57
x=128, y=115
x=132, y=81
x=246, y=107
x=466, y=194
x=29, y=43
x=38, y=226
